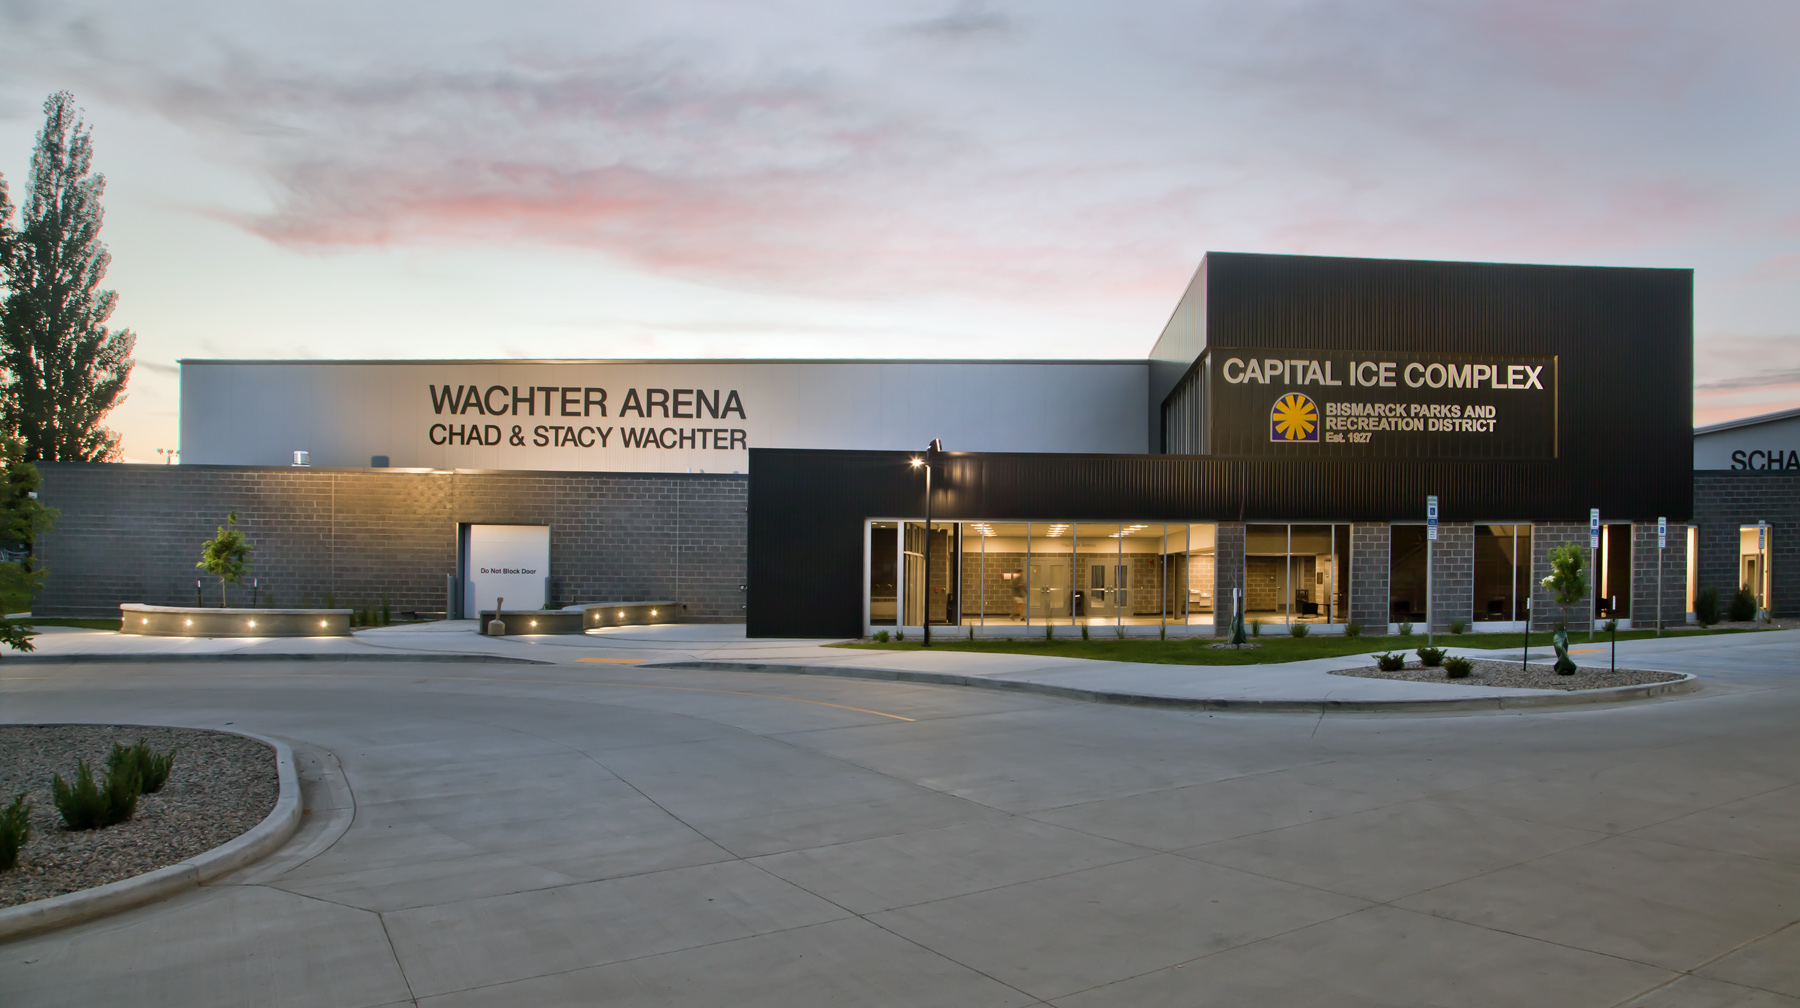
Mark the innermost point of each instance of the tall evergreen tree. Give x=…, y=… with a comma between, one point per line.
x=64, y=369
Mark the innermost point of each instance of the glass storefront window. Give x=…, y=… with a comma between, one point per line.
x=1025, y=575
x=884, y=538
x=1755, y=546
x=1297, y=573
x=933, y=591
x=1502, y=572
x=1612, y=569
x=1406, y=574
x=1693, y=567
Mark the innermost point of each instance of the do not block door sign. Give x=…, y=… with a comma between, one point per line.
x=506, y=561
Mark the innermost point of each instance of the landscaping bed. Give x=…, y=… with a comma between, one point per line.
x=221, y=785
x=1483, y=672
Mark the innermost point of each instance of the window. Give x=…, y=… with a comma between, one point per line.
x=1502, y=572
x=1297, y=573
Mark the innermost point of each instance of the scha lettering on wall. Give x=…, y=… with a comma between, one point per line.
x=1761, y=459
x=1384, y=374
x=548, y=436
x=579, y=401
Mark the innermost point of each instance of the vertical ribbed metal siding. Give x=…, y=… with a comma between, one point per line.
x=807, y=507
x=1624, y=337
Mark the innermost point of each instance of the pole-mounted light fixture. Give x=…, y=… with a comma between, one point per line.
x=931, y=454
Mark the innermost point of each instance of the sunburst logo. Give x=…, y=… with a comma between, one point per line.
x=1294, y=418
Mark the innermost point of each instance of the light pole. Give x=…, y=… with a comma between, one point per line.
x=931, y=453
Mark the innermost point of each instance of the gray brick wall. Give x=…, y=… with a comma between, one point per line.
x=1453, y=575
x=1725, y=500
x=1228, y=571
x=1547, y=536
x=1643, y=576
x=1369, y=544
x=131, y=533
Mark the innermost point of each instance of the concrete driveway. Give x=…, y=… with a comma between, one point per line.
x=601, y=834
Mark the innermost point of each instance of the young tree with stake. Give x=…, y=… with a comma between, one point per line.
x=1567, y=585
x=226, y=555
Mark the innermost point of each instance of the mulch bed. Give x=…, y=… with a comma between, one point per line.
x=1535, y=676
x=220, y=786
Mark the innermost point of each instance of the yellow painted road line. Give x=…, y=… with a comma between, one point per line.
x=544, y=682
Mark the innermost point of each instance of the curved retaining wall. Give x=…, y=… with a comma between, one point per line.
x=184, y=621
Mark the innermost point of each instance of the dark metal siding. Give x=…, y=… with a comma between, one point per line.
x=807, y=507
x=1624, y=340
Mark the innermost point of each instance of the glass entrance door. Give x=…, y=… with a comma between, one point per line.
x=1049, y=583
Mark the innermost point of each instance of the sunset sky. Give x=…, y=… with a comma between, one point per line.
x=805, y=179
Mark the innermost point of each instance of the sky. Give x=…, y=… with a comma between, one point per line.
x=551, y=179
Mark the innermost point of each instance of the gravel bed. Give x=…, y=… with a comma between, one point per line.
x=1483, y=672
x=220, y=786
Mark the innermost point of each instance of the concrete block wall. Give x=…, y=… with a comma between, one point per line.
x=1545, y=537
x=131, y=533
x=1228, y=571
x=1453, y=576
x=1369, y=562
x=1724, y=501
x=1643, y=576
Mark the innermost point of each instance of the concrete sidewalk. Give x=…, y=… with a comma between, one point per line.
x=722, y=645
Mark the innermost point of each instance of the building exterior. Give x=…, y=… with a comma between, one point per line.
x=1274, y=451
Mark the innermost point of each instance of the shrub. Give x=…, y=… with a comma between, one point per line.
x=1457, y=668
x=1256, y=628
x=899, y=635
x=151, y=767
x=1049, y=631
x=1458, y=626
x=1406, y=629
x=1352, y=629
x=1297, y=630
x=1612, y=626
x=1706, y=606
x=1390, y=661
x=971, y=631
x=89, y=806
x=1084, y=631
x=1431, y=657
x=1743, y=605
x=387, y=611
x=15, y=829
x=881, y=636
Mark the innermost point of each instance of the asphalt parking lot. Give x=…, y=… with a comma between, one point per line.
x=487, y=834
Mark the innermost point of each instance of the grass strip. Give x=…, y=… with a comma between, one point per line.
x=1274, y=650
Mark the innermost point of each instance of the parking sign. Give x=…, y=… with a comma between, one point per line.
x=1431, y=517
x=1662, y=533
x=1593, y=528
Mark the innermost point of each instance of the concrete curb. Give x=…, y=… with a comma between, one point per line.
x=1611, y=694
x=261, y=656
x=260, y=840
